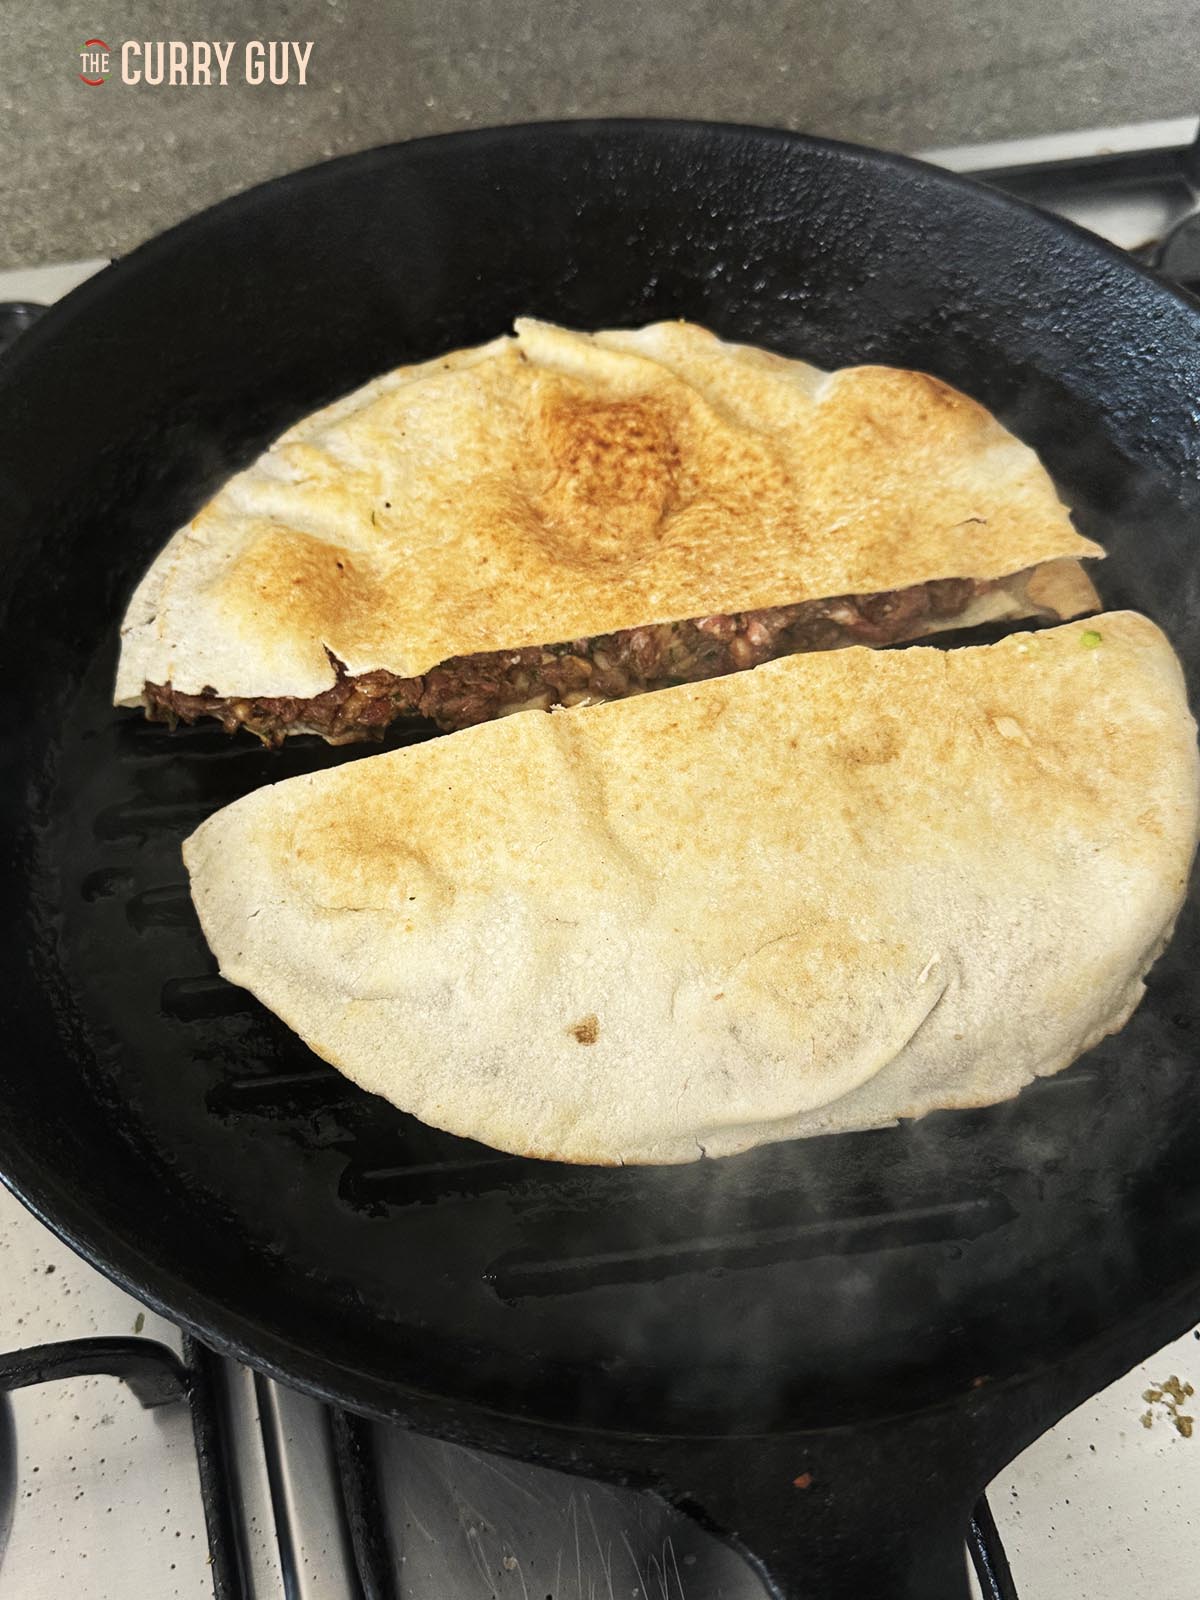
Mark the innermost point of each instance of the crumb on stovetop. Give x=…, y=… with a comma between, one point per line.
x=1170, y=1396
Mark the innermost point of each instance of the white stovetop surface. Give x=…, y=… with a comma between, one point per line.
x=1103, y=1507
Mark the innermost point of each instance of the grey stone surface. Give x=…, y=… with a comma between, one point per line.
x=94, y=171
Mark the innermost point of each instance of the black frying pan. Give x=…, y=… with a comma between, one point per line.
x=826, y=1348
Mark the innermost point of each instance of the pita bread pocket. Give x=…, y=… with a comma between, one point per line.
x=561, y=518
x=822, y=895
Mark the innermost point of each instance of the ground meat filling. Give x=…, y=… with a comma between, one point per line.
x=470, y=689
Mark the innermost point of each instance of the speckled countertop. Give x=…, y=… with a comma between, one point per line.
x=90, y=172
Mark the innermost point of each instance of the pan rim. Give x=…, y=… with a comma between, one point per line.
x=78, y=299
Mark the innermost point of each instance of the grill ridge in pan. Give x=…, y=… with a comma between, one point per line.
x=186, y=1142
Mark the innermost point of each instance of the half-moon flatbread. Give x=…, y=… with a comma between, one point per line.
x=821, y=895
x=558, y=486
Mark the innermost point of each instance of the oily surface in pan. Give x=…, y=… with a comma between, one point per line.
x=733, y=912
x=555, y=486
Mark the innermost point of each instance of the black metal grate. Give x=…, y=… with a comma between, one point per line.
x=157, y=1377
x=987, y=1555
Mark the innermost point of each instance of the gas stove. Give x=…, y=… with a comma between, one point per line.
x=135, y=1461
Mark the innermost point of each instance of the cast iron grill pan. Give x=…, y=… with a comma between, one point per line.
x=893, y=1311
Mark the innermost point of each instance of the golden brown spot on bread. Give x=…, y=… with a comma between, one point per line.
x=884, y=410
x=586, y=1030
x=868, y=747
x=303, y=582
x=902, y=394
x=363, y=860
x=1151, y=821
x=616, y=464
x=613, y=451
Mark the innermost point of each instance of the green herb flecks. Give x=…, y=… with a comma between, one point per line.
x=1089, y=638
